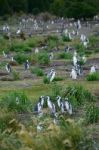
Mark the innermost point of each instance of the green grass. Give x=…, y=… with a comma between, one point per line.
x=37, y=71
x=67, y=56
x=37, y=88
x=93, y=76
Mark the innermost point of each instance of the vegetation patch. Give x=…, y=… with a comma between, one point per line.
x=91, y=113
x=37, y=71
x=65, y=55
x=93, y=77
x=16, y=102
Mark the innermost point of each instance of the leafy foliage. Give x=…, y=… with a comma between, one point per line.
x=20, y=48
x=17, y=102
x=43, y=59
x=78, y=95
x=93, y=76
x=21, y=58
x=37, y=71
x=46, y=80
x=65, y=38
x=92, y=113
x=16, y=75
x=58, y=79
x=65, y=55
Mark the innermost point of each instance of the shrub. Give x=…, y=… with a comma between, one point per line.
x=78, y=95
x=80, y=49
x=35, y=42
x=26, y=49
x=46, y=80
x=65, y=55
x=93, y=77
x=21, y=58
x=53, y=38
x=51, y=44
x=93, y=41
x=18, y=47
x=37, y=71
x=56, y=90
x=52, y=41
x=69, y=135
x=17, y=102
x=34, y=58
x=5, y=117
x=66, y=38
x=32, y=43
x=58, y=79
x=91, y=113
x=43, y=59
x=88, y=52
x=16, y=75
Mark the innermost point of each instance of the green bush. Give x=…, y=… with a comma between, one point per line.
x=88, y=52
x=18, y=47
x=16, y=75
x=37, y=71
x=93, y=77
x=17, y=102
x=91, y=113
x=78, y=95
x=66, y=38
x=96, y=50
x=51, y=44
x=93, y=41
x=80, y=49
x=32, y=43
x=56, y=90
x=53, y=37
x=46, y=80
x=43, y=59
x=34, y=58
x=65, y=55
x=58, y=79
x=36, y=41
x=52, y=41
x=21, y=58
x=5, y=117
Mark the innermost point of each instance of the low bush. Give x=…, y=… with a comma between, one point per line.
x=80, y=49
x=93, y=77
x=17, y=102
x=52, y=37
x=65, y=55
x=46, y=80
x=69, y=135
x=66, y=38
x=88, y=52
x=78, y=95
x=52, y=41
x=37, y=71
x=18, y=47
x=43, y=59
x=58, y=79
x=5, y=117
x=21, y=58
x=56, y=90
x=91, y=113
x=16, y=75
